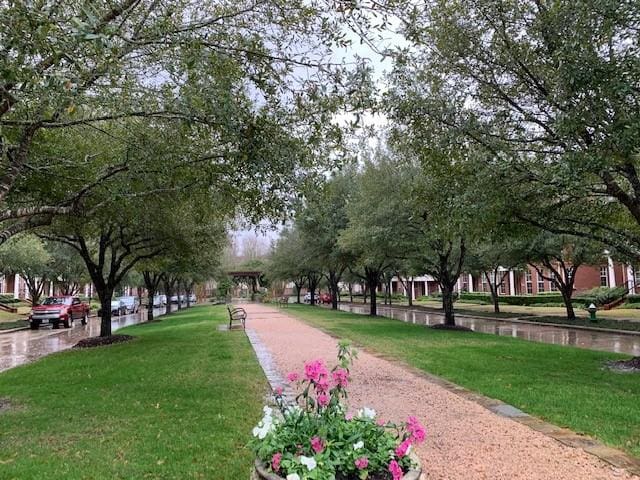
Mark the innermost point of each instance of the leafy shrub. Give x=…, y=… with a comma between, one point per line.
x=7, y=298
x=320, y=441
x=602, y=295
x=524, y=300
x=633, y=299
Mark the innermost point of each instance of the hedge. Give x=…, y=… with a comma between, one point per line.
x=524, y=300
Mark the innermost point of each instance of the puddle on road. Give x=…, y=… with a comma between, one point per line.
x=25, y=346
x=610, y=342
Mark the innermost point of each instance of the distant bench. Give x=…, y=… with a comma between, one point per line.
x=237, y=317
x=283, y=301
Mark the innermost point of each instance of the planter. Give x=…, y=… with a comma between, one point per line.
x=260, y=472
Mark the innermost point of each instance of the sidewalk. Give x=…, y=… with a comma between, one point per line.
x=464, y=439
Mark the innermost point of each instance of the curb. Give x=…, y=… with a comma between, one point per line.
x=610, y=455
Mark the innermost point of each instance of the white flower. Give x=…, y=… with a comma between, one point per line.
x=292, y=410
x=359, y=445
x=293, y=476
x=309, y=462
x=366, y=412
x=267, y=411
x=264, y=427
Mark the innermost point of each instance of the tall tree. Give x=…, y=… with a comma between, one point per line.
x=287, y=261
x=557, y=114
x=321, y=221
x=227, y=74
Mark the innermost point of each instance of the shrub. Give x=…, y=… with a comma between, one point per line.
x=524, y=300
x=633, y=299
x=318, y=440
x=602, y=295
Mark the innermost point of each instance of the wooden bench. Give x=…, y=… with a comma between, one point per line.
x=237, y=317
x=283, y=301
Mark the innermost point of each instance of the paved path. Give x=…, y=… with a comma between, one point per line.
x=464, y=440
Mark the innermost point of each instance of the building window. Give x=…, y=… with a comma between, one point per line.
x=540, y=282
x=552, y=284
x=485, y=285
x=503, y=288
x=604, y=276
x=529, y=282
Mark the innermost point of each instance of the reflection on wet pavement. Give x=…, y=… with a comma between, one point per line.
x=610, y=342
x=26, y=346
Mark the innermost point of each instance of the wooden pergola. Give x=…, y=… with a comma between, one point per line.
x=250, y=277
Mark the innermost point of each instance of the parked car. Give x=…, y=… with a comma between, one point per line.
x=163, y=299
x=157, y=301
x=174, y=299
x=324, y=298
x=118, y=308
x=192, y=298
x=56, y=310
x=131, y=303
x=307, y=297
x=183, y=298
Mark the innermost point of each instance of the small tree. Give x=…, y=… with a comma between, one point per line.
x=557, y=258
x=287, y=261
x=27, y=256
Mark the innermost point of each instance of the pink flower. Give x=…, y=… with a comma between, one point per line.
x=275, y=461
x=341, y=377
x=293, y=376
x=348, y=416
x=323, y=399
x=322, y=385
x=362, y=463
x=317, y=444
x=416, y=430
x=395, y=470
x=314, y=370
x=279, y=391
x=403, y=448
x=381, y=422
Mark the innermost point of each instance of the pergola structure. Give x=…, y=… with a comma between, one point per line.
x=249, y=277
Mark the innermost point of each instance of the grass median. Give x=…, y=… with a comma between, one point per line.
x=564, y=385
x=178, y=402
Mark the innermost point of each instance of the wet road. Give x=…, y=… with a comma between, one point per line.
x=26, y=346
x=610, y=342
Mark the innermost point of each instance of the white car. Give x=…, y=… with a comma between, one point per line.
x=131, y=303
x=307, y=297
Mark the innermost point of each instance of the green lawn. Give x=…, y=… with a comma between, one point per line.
x=563, y=385
x=178, y=402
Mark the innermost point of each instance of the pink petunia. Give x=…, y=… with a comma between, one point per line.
x=416, y=430
x=323, y=399
x=293, y=376
x=348, y=416
x=396, y=471
x=314, y=370
x=317, y=444
x=279, y=391
x=403, y=448
x=362, y=463
x=341, y=377
x=275, y=461
x=381, y=422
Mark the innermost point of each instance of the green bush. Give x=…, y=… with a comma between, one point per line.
x=602, y=295
x=547, y=299
x=633, y=299
x=8, y=298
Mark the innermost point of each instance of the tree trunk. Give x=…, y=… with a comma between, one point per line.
x=372, y=284
x=105, y=295
x=298, y=287
x=410, y=292
x=493, y=290
x=568, y=302
x=168, y=291
x=350, y=292
x=447, y=304
x=187, y=292
x=151, y=292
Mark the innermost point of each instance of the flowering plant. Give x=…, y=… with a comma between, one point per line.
x=317, y=439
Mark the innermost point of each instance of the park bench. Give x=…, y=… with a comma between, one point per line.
x=237, y=317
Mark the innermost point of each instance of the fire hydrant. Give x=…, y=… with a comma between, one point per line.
x=592, y=312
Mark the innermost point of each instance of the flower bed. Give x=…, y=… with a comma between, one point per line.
x=317, y=439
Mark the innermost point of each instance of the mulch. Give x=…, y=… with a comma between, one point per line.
x=458, y=328
x=630, y=366
x=102, y=341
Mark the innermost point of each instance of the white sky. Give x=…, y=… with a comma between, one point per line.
x=380, y=66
